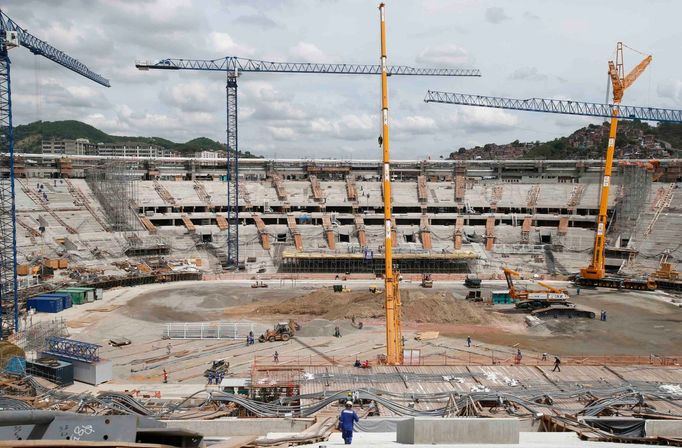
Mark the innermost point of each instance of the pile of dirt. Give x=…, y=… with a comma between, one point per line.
x=418, y=306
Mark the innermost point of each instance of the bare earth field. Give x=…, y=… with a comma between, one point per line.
x=638, y=324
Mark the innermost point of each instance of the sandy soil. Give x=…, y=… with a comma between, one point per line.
x=638, y=324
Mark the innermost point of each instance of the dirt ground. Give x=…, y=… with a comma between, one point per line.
x=638, y=323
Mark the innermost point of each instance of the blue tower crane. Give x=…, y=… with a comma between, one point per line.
x=565, y=107
x=13, y=36
x=234, y=67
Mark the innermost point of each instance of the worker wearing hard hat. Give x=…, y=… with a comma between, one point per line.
x=346, y=420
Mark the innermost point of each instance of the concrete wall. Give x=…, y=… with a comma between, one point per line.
x=663, y=428
x=241, y=426
x=458, y=430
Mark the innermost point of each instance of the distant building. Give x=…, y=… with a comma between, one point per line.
x=77, y=147
x=208, y=155
x=132, y=149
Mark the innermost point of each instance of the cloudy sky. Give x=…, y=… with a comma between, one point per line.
x=543, y=48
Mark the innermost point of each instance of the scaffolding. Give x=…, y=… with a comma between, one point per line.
x=115, y=187
x=372, y=262
x=635, y=182
x=33, y=337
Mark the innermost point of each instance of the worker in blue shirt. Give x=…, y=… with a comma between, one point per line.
x=346, y=420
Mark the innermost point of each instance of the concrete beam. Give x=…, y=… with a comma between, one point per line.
x=428, y=431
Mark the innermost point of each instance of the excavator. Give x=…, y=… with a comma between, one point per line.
x=595, y=273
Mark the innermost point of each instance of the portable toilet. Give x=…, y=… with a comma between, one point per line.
x=99, y=293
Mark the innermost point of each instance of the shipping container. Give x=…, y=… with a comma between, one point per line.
x=89, y=293
x=65, y=296
x=24, y=269
x=52, y=263
x=45, y=304
x=501, y=297
x=77, y=297
x=54, y=370
x=63, y=263
x=93, y=373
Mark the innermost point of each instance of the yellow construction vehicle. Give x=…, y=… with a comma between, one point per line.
x=595, y=273
x=283, y=331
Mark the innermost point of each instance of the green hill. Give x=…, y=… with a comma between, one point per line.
x=28, y=137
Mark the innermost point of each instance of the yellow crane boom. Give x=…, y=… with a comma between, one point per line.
x=394, y=340
x=620, y=82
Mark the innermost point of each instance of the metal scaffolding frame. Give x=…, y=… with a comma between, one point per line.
x=635, y=184
x=115, y=187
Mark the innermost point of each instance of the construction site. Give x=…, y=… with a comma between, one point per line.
x=246, y=302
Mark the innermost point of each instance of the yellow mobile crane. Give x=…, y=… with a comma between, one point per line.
x=394, y=340
x=595, y=273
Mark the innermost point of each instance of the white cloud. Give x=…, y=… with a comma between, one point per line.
x=496, y=15
x=224, y=45
x=281, y=133
x=415, y=124
x=528, y=74
x=671, y=89
x=480, y=119
x=193, y=96
x=444, y=55
x=307, y=52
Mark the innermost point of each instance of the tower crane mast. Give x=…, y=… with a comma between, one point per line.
x=13, y=36
x=234, y=67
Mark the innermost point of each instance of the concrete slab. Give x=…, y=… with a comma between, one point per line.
x=426, y=430
x=663, y=428
x=526, y=439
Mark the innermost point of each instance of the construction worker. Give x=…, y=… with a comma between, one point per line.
x=210, y=378
x=275, y=357
x=544, y=356
x=519, y=356
x=346, y=420
x=557, y=364
x=604, y=315
x=577, y=290
x=165, y=376
x=468, y=341
x=337, y=332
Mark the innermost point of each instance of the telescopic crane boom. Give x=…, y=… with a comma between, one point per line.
x=394, y=340
x=620, y=82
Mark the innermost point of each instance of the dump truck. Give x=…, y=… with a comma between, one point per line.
x=283, y=331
